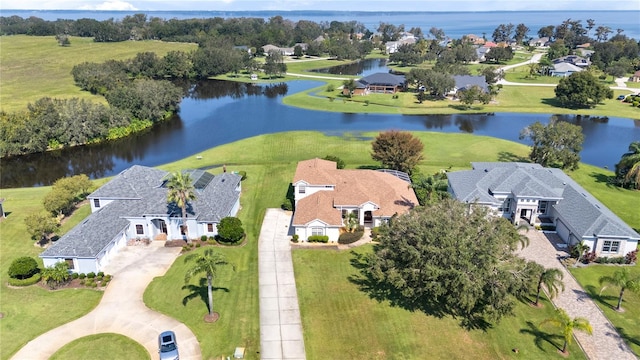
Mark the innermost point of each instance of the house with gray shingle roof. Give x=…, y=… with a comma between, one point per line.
x=536, y=195
x=133, y=207
x=464, y=82
x=378, y=83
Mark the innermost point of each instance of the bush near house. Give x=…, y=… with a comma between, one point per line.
x=23, y=268
x=351, y=237
x=230, y=230
x=318, y=238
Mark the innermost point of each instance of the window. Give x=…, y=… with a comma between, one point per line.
x=542, y=207
x=210, y=227
x=139, y=229
x=70, y=265
x=96, y=203
x=610, y=246
x=302, y=188
x=317, y=231
x=345, y=214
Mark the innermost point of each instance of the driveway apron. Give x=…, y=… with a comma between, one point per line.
x=122, y=310
x=605, y=343
x=280, y=323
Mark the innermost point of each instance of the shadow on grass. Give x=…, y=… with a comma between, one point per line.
x=628, y=338
x=604, y=179
x=603, y=300
x=382, y=291
x=540, y=337
x=506, y=156
x=200, y=291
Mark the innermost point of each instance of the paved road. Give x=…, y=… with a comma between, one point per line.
x=605, y=343
x=122, y=310
x=280, y=325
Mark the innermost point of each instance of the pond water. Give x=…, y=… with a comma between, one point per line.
x=218, y=112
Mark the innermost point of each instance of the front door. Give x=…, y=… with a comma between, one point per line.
x=368, y=218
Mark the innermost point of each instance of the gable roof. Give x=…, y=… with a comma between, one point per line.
x=138, y=192
x=385, y=79
x=351, y=188
x=565, y=67
x=583, y=213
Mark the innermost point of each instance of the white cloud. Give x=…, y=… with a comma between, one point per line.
x=110, y=5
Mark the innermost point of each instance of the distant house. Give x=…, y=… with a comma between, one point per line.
x=406, y=38
x=635, y=77
x=463, y=82
x=540, y=42
x=490, y=44
x=133, y=207
x=481, y=52
x=474, y=39
x=243, y=48
x=574, y=60
x=285, y=51
x=564, y=69
x=532, y=194
x=326, y=195
x=378, y=83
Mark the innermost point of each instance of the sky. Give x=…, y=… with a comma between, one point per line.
x=345, y=5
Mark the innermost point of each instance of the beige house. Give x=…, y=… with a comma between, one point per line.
x=326, y=195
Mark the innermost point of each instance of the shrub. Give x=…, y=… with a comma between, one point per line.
x=185, y=248
x=230, y=230
x=74, y=275
x=106, y=279
x=295, y=238
x=631, y=257
x=351, y=237
x=203, y=238
x=101, y=274
x=617, y=260
x=23, y=268
x=99, y=277
x=243, y=175
x=287, y=204
x=198, y=245
x=91, y=275
x=318, y=238
x=82, y=276
x=590, y=257
x=375, y=232
x=56, y=275
x=25, y=282
x=340, y=164
x=331, y=88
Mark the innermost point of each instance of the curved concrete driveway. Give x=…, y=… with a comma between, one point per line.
x=122, y=310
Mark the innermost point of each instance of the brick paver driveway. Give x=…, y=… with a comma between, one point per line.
x=605, y=343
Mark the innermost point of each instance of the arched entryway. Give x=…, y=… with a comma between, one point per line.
x=159, y=229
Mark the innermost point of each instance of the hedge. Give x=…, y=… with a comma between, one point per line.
x=25, y=282
x=350, y=237
x=318, y=238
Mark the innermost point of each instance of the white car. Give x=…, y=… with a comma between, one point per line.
x=167, y=346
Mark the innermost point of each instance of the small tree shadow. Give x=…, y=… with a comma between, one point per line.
x=200, y=291
x=604, y=179
x=382, y=291
x=540, y=337
x=629, y=339
x=507, y=156
x=604, y=300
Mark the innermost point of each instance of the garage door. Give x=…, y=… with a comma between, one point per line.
x=563, y=231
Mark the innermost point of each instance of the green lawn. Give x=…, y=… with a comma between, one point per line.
x=102, y=346
x=31, y=311
x=36, y=66
x=270, y=161
x=627, y=322
x=341, y=321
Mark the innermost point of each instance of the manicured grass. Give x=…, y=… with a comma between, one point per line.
x=270, y=161
x=341, y=321
x=34, y=67
x=628, y=321
x=31, y=311
x=101, y=346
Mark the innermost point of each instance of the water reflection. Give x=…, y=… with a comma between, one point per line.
x=218, y=112
x=362, y=68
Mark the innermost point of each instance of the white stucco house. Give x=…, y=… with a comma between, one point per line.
x=133, y=206
x=536, y=195
x=326, y=195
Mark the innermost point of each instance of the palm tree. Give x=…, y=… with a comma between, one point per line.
x=580, y=249
x=622, y=279
x=567, y=325
x=181, y=191
x=552, y=280
x=206, y=262
x=628, y=169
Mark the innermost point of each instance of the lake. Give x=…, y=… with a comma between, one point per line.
x=218, y=112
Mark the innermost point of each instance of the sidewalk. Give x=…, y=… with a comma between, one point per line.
x=605, y=343
x=280, y=324
x=122, y=310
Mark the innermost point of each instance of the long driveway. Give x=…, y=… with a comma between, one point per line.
x=605, y=343
x=280, y=324
x=122, y=310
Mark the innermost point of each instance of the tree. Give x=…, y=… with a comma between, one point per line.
x=436, y=83
x=398, y=150
x=206, y=262
x=350, y=85
x=557, y=144
x=430, y=189
x=445, y=258
x=59, y=201
x=499, y=54
x=274, y=64
x=23, y=267
x=581, y=90
x=578, y=250
x=40, y=225
x=621, y=278
x=628, y=169
x=340, y=164
x=230, y=229
x=63, y=40
x=469, y=95
x=297, y=51
x=181, y=192
x=56, y=275
x=552, y=280
x=521, y=33
x=562, y=321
